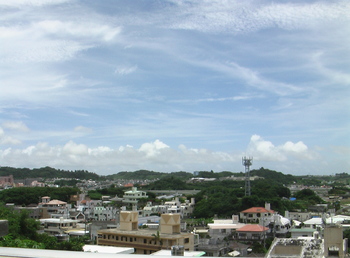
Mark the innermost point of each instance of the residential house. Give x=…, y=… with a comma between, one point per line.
x=255, y=214
x=55, y=208
x=58, y=226
x=251, y=232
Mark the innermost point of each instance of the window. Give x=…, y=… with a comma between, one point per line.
x=187, y=240
x=145, y=241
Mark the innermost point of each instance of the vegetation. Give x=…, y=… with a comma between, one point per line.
x=29, y=195
x=23, y=233
x=148, y=175
x=46, y=172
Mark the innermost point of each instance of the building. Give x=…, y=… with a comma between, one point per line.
x=59, y=226
x=132, y=197
x=224, y=228
x=332, y=245
x=278, y=225
x=251, y=232
x=185, y=209
x=55, y=208
x=298, y=215
x=6, y=181
x=255, y=214
x=146, y=241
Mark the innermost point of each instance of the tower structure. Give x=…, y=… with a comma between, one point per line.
x=247, y=162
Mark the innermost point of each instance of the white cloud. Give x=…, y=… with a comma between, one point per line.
x=267, y=151
x=15, y=125
x=83, y=129
x=23, y=3
x=154, y=148
x=125, y=70
x=241, y=17
x=7, y=140
x=72, y=148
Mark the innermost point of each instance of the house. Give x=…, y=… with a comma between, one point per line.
x=224, y=228
x=59, y=226
x=55, y=208
x=255, y=214
x=251, y=232
x=146, y=241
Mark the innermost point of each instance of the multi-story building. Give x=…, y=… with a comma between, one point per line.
x=147, y=241
x=6, y=181
x=133, y=196
x=55, y=208
x=185, y=209
x=298, y=215
x=57, y=226
x=255, y=214
x=251, y=232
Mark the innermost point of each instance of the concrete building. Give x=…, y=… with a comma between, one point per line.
x=332, y=245
x=252, y=232
x=297, y=215
x=224, y=228
x=55, y=208
x=278, y=225
x=255, y=214
x=133, y=196
x=6, y=181
x=185, y=209
x=147, y=241
x=59, y=226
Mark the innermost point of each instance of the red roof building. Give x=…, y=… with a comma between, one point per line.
x=252, y=232
x=255, y=214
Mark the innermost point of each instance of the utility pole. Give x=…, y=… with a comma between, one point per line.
x=247, y=162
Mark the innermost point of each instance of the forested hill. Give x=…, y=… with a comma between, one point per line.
x=46, y=172
x=148, y=175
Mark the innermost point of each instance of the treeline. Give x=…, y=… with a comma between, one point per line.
x=225, y=200
x=47, y=172
x=32, y=195
x=148, y=175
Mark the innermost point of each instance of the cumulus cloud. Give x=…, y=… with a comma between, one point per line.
x=152, y=155
x=154, y=148
x=266, y=150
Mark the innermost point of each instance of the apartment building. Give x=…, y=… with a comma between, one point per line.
x=147, y=241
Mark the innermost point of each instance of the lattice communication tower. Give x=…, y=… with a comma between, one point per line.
x=247, y=162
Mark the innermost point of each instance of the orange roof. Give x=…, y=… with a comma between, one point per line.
x=257, y=210
x=129, y=185
x=252, y=228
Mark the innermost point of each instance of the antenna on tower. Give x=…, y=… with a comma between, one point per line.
x=247, y=162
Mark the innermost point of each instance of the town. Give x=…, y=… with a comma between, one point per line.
x=256, y=213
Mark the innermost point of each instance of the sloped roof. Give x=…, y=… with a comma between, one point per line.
x=252, y=228
x=257, y=210
x=56, y=202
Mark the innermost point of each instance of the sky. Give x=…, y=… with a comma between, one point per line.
x=175, y=85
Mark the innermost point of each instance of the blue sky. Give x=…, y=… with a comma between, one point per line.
x=111, y=86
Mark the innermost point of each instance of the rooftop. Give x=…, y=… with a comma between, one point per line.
x=257, y=210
